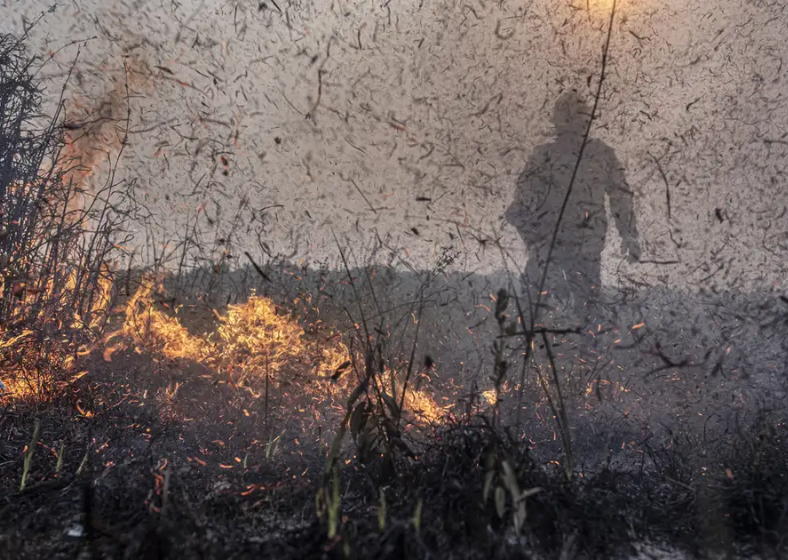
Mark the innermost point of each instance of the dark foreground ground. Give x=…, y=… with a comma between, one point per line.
x=147, y=457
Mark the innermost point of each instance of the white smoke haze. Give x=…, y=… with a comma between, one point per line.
x=411, y=121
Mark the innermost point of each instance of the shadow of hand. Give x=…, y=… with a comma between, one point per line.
x=632, y=251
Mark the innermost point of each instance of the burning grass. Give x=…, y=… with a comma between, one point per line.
x=53, y=313
x=55, y=254
x=253, y=339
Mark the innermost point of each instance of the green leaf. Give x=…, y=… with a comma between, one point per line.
x=334, y=506
x=528, y=493
x=320, y=503
x=417, y=515
x=510, y=479
x=358, y=419
x=382, y=511
x=489, y=460
x=59, y=464
x=500, y=501
x=488, y=480
x=31, y=448
x=391, y=404
x=519, y=517
x=336, y=445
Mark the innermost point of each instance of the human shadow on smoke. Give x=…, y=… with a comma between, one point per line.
x=573, y=279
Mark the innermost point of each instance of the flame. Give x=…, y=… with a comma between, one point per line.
x=158, y=331
x=97, y=308
x=253, y=339
x=31, y=365
x=424, y=406
x=31, y=361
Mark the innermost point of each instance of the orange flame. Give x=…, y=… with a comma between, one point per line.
x=253, y=339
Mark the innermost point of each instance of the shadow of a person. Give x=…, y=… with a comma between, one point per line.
x=574, y=271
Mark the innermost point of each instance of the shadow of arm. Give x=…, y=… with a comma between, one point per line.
x=622, y=206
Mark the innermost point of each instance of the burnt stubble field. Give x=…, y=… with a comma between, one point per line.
x=207, y=394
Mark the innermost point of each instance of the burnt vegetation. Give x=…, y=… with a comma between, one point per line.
x=244, y=406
